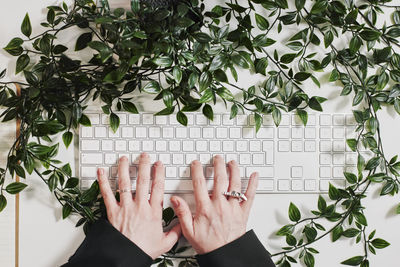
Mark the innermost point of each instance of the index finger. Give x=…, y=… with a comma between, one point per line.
x=199, y=183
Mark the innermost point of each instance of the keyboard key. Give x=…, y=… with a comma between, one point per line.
x=325, y=146
x=90, y=145
x=170, y=172
x=248, y=132
x=255, y=145
x=105, y=119
x=114, y=171
x=134, y=119
x=184, y=172
x=215, y=146
x=161, y=145
x=285, y=121
x=264, y=185
x=154, y=132
x=106, y=145
x=296, y=171
x=268, y=145
x=174, y=146
x=88, y=172
x=161, y=120
x=258, y=158
x=122, y=118
x=338, y=146
x=325, y=133
x=325, y=159
x=350, y=120
x=230, y=157
x=201, y=119
x=297, y=133
x=309, y=146
x=297, y=146
x=283, y=133
x=226, y=120
x=241, y=120
x=227, y=146
x=91, y=158
x=351, y=158
x=100, y=132
x=262, y=171
x=110, y=158
x=205, y=158
x=324, y=185
x=297, y=185
x=135, y=158
x=141, y=132
x=338, y=120
x=241, y=146
x=209, y=172
x=338, y=133
x=310, y=185
x=311, y=120
x=147, y=119
x=148, y=145
x=94, y=118
x=325, y=120
x=195, y=133
x=283, y=185
x=127, y=132
x=216, y=120
x=188, y=146
x=113, y=134
x=235, y=133
x=177, y=159
x=266, y=133
x=338, y=159
x=245, y=159
x=201, y=145
x=309, y=133
x=208, y=132
x=86, y=132
x=120, y=145
x=267, y=120
x=181, y=132
x=283, y=146
x=222, y=133
x=134, y=145
x=190, y=157
x=86, y=184
x=173, y=120
x=269, y=155
x=338, y=171
x=325, y=172
x=165, y=158
x=190, y=118
x=168, y=132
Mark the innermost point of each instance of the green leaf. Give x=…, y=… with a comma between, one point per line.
x=182, y=118
x=314, y=104
x=104, y=50
x=337, y=233
x=302, y=76
x=398, y=209
x=277, y=116
x=287, y=58
x=53, y=182
x=380, y=243
x=372, y=163
x=355, y=44
x=370, y=35
x=208, y=112
x=14, y=47
x=319, y=6
x=59, y=49
x=294, y=213
x=91, y=193
x=205, y=80
x=85, y=121
x=334, y=75
x=135, y=6
x=130, y=107
x=165, y=111
x=220, y=75
x=352, y=143
x=19, y=171
x=67, y=138
x=3, y=202
x=22, y=62
x=240, y=61
x=66, y=211
x=163, y=61
x=350, y=177
x=300, y=4
x=261, y=65
x=202, y=37
x=51, y=16
x=328, y=38
x=321, y=203
x=114, y=122
x=72, y=182
x=262, y=23
x=26, y=27
x=285, y=230
x=258, y=121
x=333, y=192
x=153, y=87
x=15, y=188
x=177, y=73
x=67, y=169
x=354, y=261
x=309, y=259
x=83, y=41
x=351, y=232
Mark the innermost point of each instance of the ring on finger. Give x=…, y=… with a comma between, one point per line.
x=237, y=195
x=125, y=190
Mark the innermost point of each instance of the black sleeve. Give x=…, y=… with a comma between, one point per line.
x=105, y=246
x=246, y=251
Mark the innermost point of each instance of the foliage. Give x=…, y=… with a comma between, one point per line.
x=181, y=54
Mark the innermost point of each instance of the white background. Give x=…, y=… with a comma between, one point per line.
x=47, y=240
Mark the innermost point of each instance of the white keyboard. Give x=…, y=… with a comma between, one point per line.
x=289, y=158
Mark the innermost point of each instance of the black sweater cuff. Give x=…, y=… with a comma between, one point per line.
x=246, y=251
x=106, y=246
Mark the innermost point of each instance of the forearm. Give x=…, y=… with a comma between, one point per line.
x=106, y=246
x=246, y=251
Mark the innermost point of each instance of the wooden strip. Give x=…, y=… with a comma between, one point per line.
x=18, y=128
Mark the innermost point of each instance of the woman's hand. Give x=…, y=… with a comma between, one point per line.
x=140, y=218
x=218, y=220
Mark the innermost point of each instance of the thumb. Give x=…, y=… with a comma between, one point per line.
x=172, y=237
x=182, y=210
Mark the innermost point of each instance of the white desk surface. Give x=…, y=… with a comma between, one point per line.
x=46, y=240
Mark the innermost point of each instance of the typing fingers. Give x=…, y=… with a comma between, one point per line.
x=105, y=189
x=124, y=182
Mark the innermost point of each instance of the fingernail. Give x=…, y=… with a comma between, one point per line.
x=100, y=171
x=175, y=202
x=144, y=154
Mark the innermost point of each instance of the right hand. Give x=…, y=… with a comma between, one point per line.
x=218, y=220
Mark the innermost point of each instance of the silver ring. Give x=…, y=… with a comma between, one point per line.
x=238, y=195
x=124, y=190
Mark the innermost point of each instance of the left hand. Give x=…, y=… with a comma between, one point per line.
x=140, y=218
